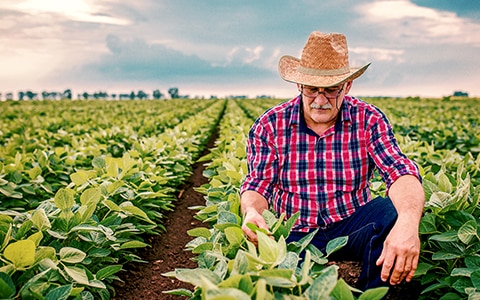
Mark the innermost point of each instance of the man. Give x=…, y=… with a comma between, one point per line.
x=316, y=153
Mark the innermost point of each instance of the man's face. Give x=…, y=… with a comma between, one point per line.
x=322, y=105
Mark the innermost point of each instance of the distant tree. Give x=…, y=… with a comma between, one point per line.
x=142, y=95
x=132, y=95
x=100, y=95
x=31, y=95
x=67, y=94
x=157, y=94
x=21, y=95
x=173, y=92
x=460, y=94
x=85, y=95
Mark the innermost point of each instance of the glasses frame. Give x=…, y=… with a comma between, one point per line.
x=340, y=90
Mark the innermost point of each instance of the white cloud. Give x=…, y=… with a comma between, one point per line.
x=406, y=20
x=380, y=54
x=244, y=55
x=77, y=10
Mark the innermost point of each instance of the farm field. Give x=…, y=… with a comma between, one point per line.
x=89, y=188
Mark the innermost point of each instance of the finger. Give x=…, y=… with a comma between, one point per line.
x=387, y=265
x=398, y=271
x=381, y=258
x=414, y=265
x=251, y=236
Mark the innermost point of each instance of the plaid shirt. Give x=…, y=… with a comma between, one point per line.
x=325, y=177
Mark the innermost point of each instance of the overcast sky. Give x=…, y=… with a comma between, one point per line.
x=231, y=47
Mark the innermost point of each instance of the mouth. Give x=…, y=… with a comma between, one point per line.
x=321, y=107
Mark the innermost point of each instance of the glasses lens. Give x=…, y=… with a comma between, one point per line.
x=314, y=92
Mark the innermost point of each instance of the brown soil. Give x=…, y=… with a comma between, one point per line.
x=167, y=252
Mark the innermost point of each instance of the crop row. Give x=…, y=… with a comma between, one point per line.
x=80, y=184
x=69, y=238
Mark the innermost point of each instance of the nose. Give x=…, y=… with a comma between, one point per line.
x=321, y=99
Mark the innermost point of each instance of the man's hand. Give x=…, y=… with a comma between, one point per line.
x=254, y=217
x=401, y=250
x=253, y=204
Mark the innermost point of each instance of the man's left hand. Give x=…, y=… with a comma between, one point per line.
x=401, y=250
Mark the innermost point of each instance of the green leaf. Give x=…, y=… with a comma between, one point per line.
x=59, y=293
x=137, y=212
x=342, y=291
x=21, y=253
x=423, y=268
x=7, y=287
x=374, y=294
x=179, y=292
x=111, y=205
x=449, y=236
x=99, y=163
x=442, y=255
x=261, y=291
x=324, y=284
x=64, y=199
x=45, y=252
x=91, y=196
x=427, y=224
x=234, y=235
x=199, y=231
x=40, y=220
x=133, y=244
x=36, y=238
x=202, y=248
x=336, y=244
x=278, y=277
x=72, y=255
x=77, y=274
x=194, y=276
x=468, y=231
x=80, y=177
x=270, y=251
x=107, y=271
x=475, y=277
x=457, y=218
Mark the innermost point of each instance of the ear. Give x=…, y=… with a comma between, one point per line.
x=299, y=87
x=348, y=86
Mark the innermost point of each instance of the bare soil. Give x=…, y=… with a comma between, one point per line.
x=167, y=252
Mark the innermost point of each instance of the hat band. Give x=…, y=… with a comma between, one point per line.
x=323, y=72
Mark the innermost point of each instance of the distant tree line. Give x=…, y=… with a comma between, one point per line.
x=67, y=94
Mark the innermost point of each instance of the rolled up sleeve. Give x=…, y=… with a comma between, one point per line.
x=262, y=161
x=385, y=152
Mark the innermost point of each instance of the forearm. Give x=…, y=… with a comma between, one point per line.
x=408, y=197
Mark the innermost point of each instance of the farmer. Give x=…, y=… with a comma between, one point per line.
x=315, y=155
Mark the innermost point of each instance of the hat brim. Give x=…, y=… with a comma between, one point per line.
x=288, y=69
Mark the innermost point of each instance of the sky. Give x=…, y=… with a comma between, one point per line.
x=426, y=48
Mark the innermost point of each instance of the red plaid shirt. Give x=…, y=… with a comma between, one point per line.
x=325, y=177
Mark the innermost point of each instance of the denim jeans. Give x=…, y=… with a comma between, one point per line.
x=366, y=229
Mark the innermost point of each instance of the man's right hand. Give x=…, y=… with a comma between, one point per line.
x=252, y=205
x=253, y=216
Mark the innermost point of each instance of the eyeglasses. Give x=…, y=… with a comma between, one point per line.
x=329, y=92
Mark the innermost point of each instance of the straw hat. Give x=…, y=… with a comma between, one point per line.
x=324, y=62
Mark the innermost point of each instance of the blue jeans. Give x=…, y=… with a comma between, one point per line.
x=366, y=229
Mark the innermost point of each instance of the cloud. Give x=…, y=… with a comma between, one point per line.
x=77, y=10
x=135, y=60
x=402, y=19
